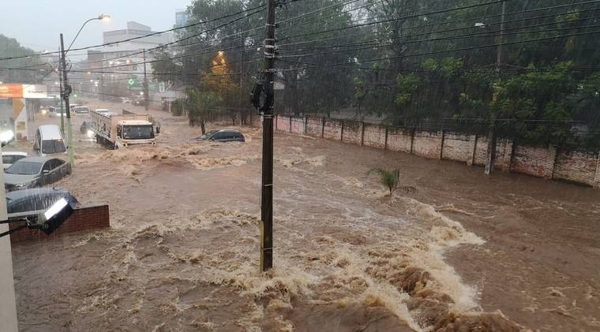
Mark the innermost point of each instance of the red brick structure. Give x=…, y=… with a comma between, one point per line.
x=86, y=218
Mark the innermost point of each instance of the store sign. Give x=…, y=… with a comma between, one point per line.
x=11, y=90
x=23, y=91
x=35, y=91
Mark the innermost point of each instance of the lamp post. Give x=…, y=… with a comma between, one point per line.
x=67, y=89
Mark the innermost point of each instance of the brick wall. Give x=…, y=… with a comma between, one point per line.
x=576, y=166
x=541, y=162
x=427, y=144
x=85, y=218
x=282, y=123
x=399, y=140
x=297, y=126
x=458, y=147
x=333, y=130
x=352, y=132
x=534, y=161
x=374, y=136
x=314, y=126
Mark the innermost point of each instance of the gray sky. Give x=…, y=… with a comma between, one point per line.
x=37, y=24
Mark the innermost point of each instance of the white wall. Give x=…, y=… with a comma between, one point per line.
x=8, y=308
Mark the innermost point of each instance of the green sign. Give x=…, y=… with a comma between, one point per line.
x=131, y=81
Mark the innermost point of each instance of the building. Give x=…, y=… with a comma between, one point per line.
x=181, y=18
x=117, y=69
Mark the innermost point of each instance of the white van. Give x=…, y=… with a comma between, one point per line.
x=49, y=140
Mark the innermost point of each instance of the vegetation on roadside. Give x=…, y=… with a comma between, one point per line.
x=390, y=180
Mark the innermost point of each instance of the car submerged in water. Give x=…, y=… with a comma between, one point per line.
x=34, y=172
x=223, y=135
x=32, y=201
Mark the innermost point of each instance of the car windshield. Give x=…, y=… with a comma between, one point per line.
x=138, y=132
x=53, y=146
x=25, y=168
x=208, y=134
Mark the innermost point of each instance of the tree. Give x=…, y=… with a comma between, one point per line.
x=201, y=105
x=29, y=69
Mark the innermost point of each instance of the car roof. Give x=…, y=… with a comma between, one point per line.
x=229, y=131
x=18, y=194
x=14, y=153
x=36, y=159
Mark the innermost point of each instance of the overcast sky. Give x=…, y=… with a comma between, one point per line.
x=37, y=24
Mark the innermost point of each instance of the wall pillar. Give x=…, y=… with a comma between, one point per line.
x=8, y=306
x=473, y=149
x=597, y=177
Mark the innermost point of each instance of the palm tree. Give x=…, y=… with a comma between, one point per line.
x=387, y=178
x=390, y=179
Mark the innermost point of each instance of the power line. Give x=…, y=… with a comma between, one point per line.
x=144, y=36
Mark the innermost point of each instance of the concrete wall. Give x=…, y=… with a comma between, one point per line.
x=458, y=147
x=297, y=126
x=332, y=129
x=534, y=161
x=427, y=144
x=8, y=307
x=545, y=162
x=399, y=139
x=374, y=136
x=86, y=218
x=352, y=132
x=314, y=126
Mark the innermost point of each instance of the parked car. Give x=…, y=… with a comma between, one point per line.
x=34, y=201
x=34, y=172
x=6, y=135
x=9, y=157
x=80, y=110
x=55, y=112
x=223, y=135
x=104, y=111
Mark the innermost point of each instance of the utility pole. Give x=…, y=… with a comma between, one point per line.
x=491, y=150
x=266, y=215
x=242, y=100
x=62, y=118
x=145, y=83
x=66, y=91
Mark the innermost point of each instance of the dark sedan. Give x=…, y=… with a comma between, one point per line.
x=34, y=172
x=223, y=135
x=31, y=202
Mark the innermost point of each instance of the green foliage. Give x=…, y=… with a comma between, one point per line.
x=387, y=178
x=411, y=69
x=178, y=107
x=407, y=85
x=9, y=47
x=201, y=106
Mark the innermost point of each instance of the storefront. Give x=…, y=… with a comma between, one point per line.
x=20, y=101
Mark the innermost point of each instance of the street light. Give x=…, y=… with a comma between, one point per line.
x=67, y=88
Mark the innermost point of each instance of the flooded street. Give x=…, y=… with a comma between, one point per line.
x=465, y=252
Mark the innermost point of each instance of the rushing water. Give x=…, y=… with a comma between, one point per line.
x=464, y=253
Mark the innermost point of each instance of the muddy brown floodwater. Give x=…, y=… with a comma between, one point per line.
x=466, y=252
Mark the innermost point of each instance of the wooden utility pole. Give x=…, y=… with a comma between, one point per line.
x=491, y=151
x=266, y=231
